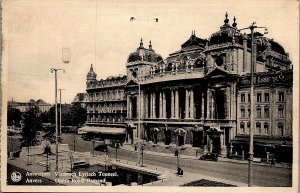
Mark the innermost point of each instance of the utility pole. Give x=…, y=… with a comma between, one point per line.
x=252, y=69
x=56, y=121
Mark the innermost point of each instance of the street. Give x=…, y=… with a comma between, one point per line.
x=264, y=175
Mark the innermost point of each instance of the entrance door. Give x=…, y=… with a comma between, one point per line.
x=180, y=140
x=216, y=144
x=155, y=137
x=168, y=137
x=197, y=138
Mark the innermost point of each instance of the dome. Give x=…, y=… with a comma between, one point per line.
x=91, y=74
x=226, y=33
x=144, y=54
x=264, y=43
x=194, y=41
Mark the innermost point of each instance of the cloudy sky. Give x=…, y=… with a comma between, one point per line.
x=99, y=32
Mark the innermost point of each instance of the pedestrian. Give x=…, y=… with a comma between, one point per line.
x=272, y=162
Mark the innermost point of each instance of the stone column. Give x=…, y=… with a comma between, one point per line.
x=164, y=115
x=142, y=104
x=154, y=105
x=192, y=104
x=186, y=104
x=208, y=105
x=151, y=105
x=172, y=104
x=228, y=112
x=212, y=105
x=160, y=105
x=128, y=107
x=146, y=106
x=176, y=104
x=202, y=105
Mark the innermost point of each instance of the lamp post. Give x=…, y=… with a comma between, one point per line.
x=253, y=55
x=139, y=121
x=59, y=132
x=56, y=126
x=116, y=146
x=94, y=147
x=143, y=148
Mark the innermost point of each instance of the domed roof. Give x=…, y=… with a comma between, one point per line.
x=91, y=74
x=194, y=41
x=144, y=54
x=264, y=43
x=226, y=33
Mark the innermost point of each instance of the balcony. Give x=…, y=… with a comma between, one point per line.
x=190, y=73
x=105, y=123
x=205, y=122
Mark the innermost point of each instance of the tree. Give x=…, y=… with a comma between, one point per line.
x=14, y=116
x=31, y=124
x=78, y=115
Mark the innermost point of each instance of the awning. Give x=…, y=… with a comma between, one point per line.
x=262, y=141
x=180, y=131
x=155, y=129
x=284, y=143
x=102, y=130
x=214, y=129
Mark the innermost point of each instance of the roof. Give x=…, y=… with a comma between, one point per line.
x=102, y=130
x=194, y=41
x=144, y=54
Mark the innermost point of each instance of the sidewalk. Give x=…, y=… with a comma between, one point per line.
x=128, y=147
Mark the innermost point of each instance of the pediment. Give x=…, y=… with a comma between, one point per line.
x=131, y=82
x=217, y=72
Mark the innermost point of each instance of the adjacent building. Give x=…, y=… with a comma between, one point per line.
x=199, y=96
x=25, y=106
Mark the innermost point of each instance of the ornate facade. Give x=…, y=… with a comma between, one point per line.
x=199, y=95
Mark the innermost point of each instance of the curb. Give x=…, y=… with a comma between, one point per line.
x=221, y=160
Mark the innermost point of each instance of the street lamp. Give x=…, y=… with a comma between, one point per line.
x=56, y=126
x=143, y=148
x=253, y=55
x=59, y=133
x=116, y=146
x=94, y=147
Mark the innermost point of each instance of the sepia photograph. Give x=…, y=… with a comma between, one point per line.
x=150, y=96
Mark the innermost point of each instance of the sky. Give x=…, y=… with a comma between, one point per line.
x=100, y=32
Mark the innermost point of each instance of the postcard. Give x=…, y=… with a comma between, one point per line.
x=150, y=96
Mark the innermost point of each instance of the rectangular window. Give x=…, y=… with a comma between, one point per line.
x=267, y=97
x=249, y=112
x=249, y=98
x=242, y=127
x=281, y=96
x=266, y=112
x=258, y=97
x=243, y=112
x=243, y=98
x=280, y=112
x=248, y=128
x=266, y=128
x=258, y=112
x=280, y=129
x=258, y=128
